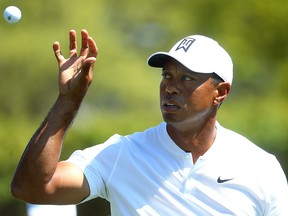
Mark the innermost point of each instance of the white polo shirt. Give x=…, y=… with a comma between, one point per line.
x=146, y=173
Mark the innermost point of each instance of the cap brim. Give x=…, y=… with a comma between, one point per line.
x=158, y=59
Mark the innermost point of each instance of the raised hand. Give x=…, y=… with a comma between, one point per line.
x=75, y=72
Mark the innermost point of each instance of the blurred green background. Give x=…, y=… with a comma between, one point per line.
x=123, y=97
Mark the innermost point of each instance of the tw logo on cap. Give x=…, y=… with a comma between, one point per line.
x=185, y=44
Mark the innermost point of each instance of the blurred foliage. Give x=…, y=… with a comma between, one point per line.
x=124, y=95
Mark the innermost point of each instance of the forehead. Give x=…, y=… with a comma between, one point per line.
x=172, y=64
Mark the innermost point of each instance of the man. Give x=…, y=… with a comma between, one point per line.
x=187, y=165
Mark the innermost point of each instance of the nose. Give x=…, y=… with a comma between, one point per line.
x=172, y=87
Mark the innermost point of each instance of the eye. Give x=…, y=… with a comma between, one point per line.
x=187, y=78
x=166, y=75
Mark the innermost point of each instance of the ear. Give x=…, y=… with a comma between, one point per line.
x=222, y=91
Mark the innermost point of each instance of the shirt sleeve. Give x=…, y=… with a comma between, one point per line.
x=96, y=163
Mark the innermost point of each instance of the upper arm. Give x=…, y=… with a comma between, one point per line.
x=67, y=186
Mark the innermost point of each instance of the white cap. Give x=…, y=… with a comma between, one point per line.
x=199, y=54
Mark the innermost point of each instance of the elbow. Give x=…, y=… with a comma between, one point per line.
x=29, y=193
x=14, y=188
x=20, y=191
x=17, y=190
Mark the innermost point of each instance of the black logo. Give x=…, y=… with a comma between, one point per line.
x=219, y=180
x=185, y=44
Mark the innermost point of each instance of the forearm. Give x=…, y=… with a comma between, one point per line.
x=40, y=158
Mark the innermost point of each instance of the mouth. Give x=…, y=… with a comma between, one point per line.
x=171, y=106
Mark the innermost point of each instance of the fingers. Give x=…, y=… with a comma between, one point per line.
x=88, y=50
x=89, y=47
x=85, y=36
x=93, y=49
x=88, y=64
x=72, y=47
x=89, y=44
x=73, y=43
x=57, y=52
x=84, y=47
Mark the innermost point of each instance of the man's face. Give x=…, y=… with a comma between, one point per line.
x=185, y=96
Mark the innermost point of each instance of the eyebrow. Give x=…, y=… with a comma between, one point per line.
x=184, y=70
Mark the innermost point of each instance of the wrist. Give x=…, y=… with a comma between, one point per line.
x=66, y=107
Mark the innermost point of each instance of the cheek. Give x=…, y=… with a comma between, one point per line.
x=161, y=86
x=202, y=97
x=161, y=89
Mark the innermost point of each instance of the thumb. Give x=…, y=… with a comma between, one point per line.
x=88, y=65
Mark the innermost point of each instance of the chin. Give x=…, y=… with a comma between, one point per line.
x=171, y=119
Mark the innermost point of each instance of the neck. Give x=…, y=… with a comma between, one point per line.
x=195, y=138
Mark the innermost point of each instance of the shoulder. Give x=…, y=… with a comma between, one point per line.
x=240, y=143
x=116, y=143
x=246, y=157
x=245, y=154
